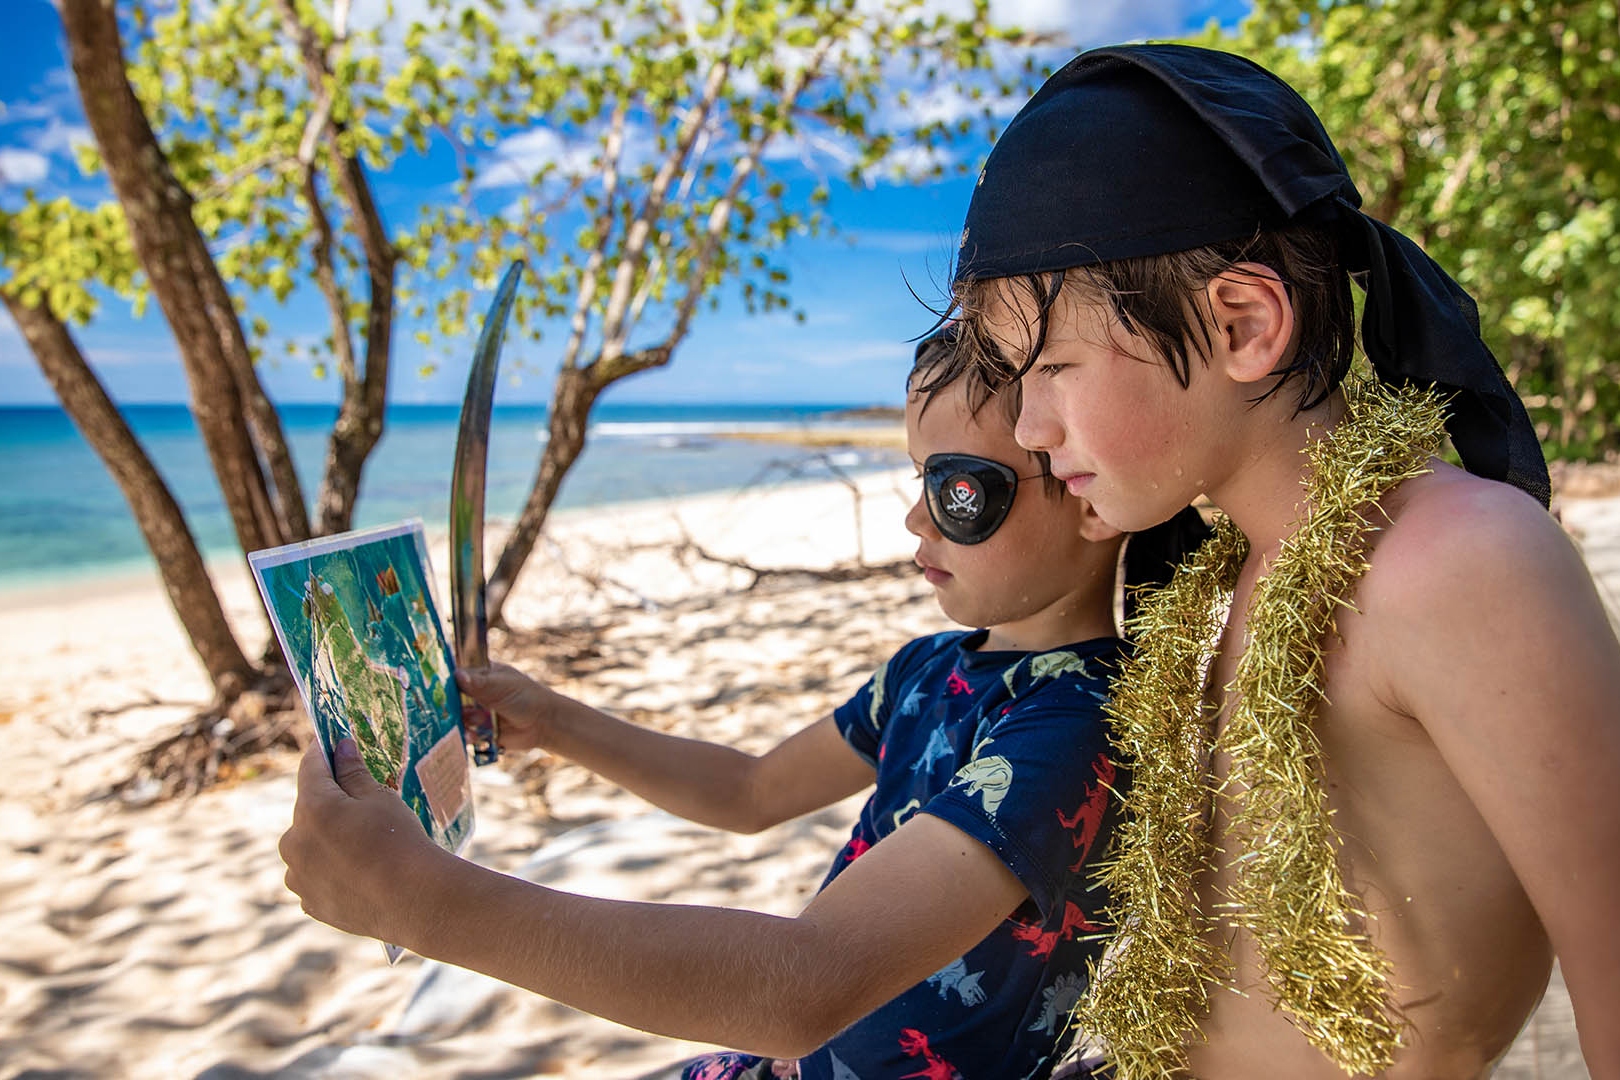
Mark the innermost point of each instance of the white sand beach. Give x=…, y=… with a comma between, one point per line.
x=158, y=941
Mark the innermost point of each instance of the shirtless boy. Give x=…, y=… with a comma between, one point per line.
x=1159, y=253
x=953, y=932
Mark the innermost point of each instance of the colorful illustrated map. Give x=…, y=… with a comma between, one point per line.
x=356, y=621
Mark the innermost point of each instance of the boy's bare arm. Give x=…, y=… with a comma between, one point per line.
x=1501, y=648
x=776, y=986
x=700, y=781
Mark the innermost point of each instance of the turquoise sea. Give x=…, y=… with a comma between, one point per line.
x=62, y=517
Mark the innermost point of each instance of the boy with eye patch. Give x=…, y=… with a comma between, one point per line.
x=952, y=934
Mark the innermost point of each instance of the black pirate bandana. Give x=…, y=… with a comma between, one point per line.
x=1151, y=149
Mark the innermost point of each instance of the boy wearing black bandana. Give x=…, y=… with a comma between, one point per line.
x=1374, y=723
x=953, y=932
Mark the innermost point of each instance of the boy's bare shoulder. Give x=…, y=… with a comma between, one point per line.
x=1472, y=582
x=1455, y=537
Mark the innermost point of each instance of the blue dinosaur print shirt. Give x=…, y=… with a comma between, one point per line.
x=1010, y=748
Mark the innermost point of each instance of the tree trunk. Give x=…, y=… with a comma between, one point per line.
x=225, y=391
x=353, y=437
x=577, y=391
x=185, y=577
x=365, y=399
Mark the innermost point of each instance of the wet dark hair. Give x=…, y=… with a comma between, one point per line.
x=940, y=363
x=1161, y=300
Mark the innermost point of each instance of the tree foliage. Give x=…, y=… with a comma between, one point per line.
x=648, y=152
x=642, y=143
x=1486, y=130
x=601, y=140
x=639, y=154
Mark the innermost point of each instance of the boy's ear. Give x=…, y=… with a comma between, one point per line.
x=1252, y=321
x=1094, y=528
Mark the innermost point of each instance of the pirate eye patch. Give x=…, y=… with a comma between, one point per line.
x=968, y=497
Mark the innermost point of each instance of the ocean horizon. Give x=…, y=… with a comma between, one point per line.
x=62, y=517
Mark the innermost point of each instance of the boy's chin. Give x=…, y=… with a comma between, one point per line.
x=965, y=613
x=952, y=606
x=1137, y=517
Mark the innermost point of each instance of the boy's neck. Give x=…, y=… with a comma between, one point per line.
x=1264, y=494
x=1085, y=614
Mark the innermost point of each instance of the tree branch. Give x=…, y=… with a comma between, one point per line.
x=224, y=183
x=360, y=418
x=580, y=322
x=614, y=327
x=381, y=255
x=648, y=282
x=326, y=278
x=720, y=215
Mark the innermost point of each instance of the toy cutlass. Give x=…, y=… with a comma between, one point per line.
x=468, y=621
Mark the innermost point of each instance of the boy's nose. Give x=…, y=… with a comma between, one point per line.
x=1035, y=429
x=918, y=522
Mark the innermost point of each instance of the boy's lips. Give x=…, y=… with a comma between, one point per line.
x=1076, y=482
x=933, y=574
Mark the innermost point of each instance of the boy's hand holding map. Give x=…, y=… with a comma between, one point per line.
x=381, y=845
x=355, y=617
x=356, y=620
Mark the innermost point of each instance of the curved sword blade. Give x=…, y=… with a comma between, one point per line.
x=470, y=628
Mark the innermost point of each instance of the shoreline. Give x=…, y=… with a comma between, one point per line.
x=126, y=577
x=886, y=436
x=1572, y=485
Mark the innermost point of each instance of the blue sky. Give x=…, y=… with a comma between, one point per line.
x=853, y=289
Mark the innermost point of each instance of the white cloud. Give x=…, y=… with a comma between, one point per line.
x=1040, y=16
x=1095, y=22
x=59, y=137
x=910, y=164
x=22, y=166
x=947, y=103
x=839, y=354
x=1083, y=25
x=805, y=350
x=517, y=158
x=813, y=149
x=1044, y=16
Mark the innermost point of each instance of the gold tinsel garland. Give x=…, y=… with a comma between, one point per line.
x=1147, y=996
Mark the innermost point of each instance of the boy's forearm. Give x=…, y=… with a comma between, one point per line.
x=1594, y=991
x=755, y=982
x=699, y=781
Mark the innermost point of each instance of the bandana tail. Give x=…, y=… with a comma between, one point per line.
x=1416, y=311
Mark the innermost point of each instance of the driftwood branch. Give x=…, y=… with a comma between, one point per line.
x=596, y=579
x=688, y=547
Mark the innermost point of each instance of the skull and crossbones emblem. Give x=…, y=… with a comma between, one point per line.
x=962, y=498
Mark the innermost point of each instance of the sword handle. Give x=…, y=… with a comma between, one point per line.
x=483, y=732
